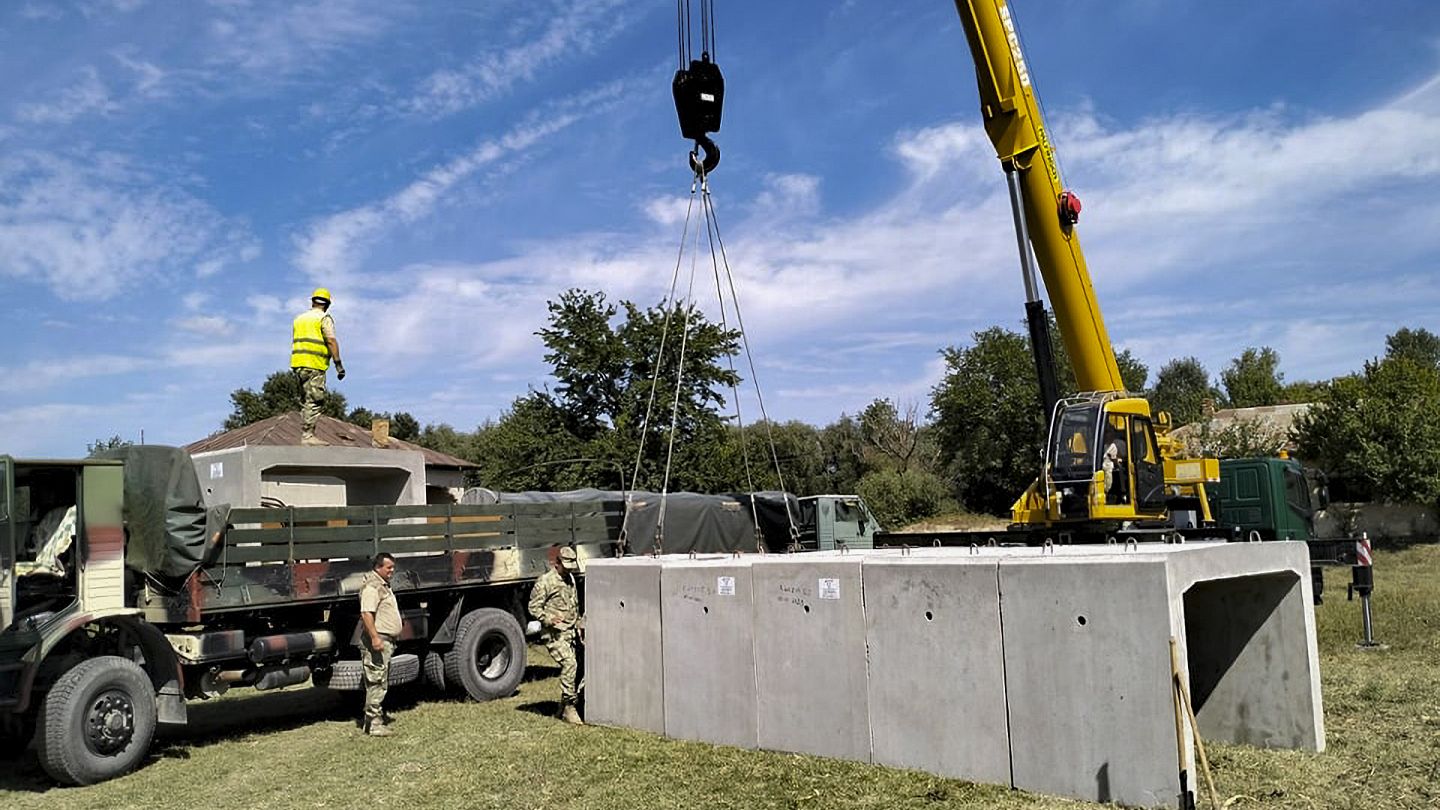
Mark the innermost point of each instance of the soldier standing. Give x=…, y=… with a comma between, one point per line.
x=556, y=604
x=380, y=616
x=313, y=346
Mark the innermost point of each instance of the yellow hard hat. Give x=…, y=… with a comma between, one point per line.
x=321, y=293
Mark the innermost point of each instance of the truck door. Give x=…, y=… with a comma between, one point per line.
x=1149, y=473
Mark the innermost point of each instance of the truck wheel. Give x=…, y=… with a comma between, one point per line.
x=435, y=670
x=98, y=721
x=488, y=658
x=349, y=676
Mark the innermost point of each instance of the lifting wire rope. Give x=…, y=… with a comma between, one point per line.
x=699, y=94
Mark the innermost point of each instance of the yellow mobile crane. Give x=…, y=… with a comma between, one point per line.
x=1109, y=467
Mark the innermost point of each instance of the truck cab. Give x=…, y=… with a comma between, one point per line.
x=1269, y=496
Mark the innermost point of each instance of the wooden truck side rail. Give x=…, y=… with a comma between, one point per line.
x=298, y=555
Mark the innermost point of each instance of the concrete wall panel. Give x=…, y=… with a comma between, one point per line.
x=937, y=674
x=624, y=683
x=1087, y=663
x=811, y=693
x=708, y=637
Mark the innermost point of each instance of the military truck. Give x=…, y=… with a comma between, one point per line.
x=122, y=596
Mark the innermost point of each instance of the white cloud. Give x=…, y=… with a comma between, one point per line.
x=570, y=29
x=92, y=229
x=275, y=39
x=333, y=246
x=211, y=325
x=88, y=95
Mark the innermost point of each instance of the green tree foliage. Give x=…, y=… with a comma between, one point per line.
x=1302, y=391
x=896, y=438
x=1254, y=379
x=1419, y=345
x=280, y=393
x=1132, y=371
x=1378, y=433
x=403, y=426
x=1242, y=438
x=901, y=497
x=1181, y=387
x=95, y=448
x=618, y=397
x=987, y=420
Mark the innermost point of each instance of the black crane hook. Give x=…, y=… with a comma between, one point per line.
x=699, y=100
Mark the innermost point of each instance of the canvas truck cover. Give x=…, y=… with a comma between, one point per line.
x=169, y=530
x=692, y=521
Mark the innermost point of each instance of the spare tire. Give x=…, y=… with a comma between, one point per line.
x=488, y=658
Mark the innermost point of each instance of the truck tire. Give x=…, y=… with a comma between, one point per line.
x=488, y=658
x=434, y=666
x=97, y=721
x=349, y=676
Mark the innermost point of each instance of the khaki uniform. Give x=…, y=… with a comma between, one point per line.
x=555, y=602
x=376, y=597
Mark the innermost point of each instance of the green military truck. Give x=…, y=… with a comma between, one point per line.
x=122, y=596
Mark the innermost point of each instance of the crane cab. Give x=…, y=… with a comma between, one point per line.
x=1105, y=461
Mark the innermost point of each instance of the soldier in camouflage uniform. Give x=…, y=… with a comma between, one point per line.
x=556, y=604
x=380, y=616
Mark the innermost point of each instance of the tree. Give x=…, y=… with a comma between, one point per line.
x=1242, y=438
x=895, y=438
x=1302, y=391
x=1182, y=388
x=617, y=397
x=1132, y=371
x=1419, y=345
x=403, y=426
x=1377, y=433
x=99, y=446
x=987, y=419
x=280, y=393
x=1254, y=378
x=901, y=497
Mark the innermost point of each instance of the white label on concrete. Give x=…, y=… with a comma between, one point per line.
x=829, y=588
x=725, y=586
x=217, y=469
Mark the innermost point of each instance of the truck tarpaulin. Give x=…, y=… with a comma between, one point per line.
x=693, y=521
x=169, y=530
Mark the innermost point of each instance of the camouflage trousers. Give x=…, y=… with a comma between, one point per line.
x=562, y=648
x=312, y=380
x=377, y=676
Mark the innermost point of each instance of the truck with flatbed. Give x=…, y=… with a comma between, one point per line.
x=123, y=596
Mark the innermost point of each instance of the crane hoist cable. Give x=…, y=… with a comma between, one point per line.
x=698, y=87
x=719, y=260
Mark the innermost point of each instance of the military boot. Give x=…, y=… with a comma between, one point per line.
x=377, y=728
x=311, y=440
x=571, y=715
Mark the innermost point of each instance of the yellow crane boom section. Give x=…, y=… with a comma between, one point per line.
x=1016, y=127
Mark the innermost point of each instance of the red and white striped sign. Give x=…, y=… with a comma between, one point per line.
x=1362, y=549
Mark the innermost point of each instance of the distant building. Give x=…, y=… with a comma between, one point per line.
x=264, y=463
x=1272, y=419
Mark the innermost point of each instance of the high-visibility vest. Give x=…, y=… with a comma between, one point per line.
x=307, y=345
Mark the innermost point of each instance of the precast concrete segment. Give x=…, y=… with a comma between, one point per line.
x=937, y=675
x=1250, y=642
x=624, y=675
x=810, y=671
x=1087, y=668
x=709, y=638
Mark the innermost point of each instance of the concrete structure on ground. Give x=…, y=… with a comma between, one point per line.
x=299, y=477
x=1046, y=669
x=624, y=671
x=709, y=693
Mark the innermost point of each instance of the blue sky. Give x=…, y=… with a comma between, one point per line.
x=176, y=176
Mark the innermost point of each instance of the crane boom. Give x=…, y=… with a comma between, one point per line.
x=1016, y=127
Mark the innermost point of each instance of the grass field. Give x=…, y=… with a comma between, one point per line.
x=300, y=747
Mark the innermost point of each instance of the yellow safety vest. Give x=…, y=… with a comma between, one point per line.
x=307, y=346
